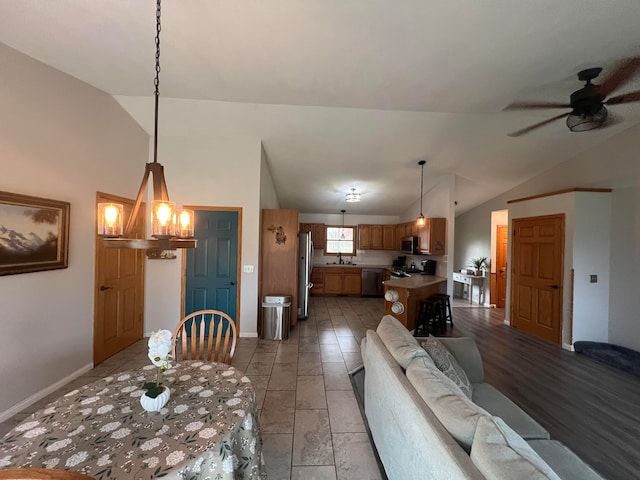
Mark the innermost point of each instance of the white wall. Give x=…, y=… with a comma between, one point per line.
x=268, y=194
x=587, y=231
x=211, y=171
x=64, y=140
x=624, y=324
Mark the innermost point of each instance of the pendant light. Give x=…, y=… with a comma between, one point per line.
x=342, y=235
x=168, y=229
x=421, y=221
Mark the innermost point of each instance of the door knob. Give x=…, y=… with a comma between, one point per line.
x=232, y=283
x=555, y=287
x=104, y=287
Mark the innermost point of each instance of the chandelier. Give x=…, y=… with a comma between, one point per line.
x=170, y=230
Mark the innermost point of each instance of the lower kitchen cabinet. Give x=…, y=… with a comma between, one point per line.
x=317, y=278
x=340, y=281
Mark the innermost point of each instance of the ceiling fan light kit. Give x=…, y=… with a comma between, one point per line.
x=170, y=230
x=587, y=105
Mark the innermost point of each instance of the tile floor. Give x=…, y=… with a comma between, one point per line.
x=311, y=423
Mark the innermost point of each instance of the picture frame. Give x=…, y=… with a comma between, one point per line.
x=34, y=234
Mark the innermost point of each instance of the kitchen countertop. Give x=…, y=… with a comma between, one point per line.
x=414, y=281
x=357, y=265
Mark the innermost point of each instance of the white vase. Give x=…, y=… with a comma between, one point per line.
x=155, y=404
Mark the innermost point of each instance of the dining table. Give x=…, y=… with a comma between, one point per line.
x=209, y=428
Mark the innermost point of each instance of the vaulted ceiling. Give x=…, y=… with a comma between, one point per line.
x=350, y=93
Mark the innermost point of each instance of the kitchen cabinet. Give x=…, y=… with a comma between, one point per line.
x=433, y=236
x=376, y=237
x=389, y=237
x=318, y=233
x=342, y=281
x=317, y=278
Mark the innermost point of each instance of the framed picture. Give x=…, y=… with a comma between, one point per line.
x=34, y=234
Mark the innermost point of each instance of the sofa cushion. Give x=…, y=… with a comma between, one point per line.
x=497, y=404
x=500, y=453
x=452, y=408
x=466, y=352
x=399, y=341
x=563, y=461
x=447, y=364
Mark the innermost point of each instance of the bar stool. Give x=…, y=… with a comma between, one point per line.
x=430, y=317
x=446, y=306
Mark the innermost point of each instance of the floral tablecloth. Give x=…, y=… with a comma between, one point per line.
x=207, y=430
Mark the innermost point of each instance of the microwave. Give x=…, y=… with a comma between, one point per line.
x=409, y=245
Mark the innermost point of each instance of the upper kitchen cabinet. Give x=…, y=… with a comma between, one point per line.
x=318, y=233
x=376, y=237
x=433, y=236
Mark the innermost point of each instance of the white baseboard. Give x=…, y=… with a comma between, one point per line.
x=18, y=407
x=568, y=346
x=248, y=335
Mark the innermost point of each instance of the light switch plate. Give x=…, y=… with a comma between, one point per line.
x=593, y=278
x=247, y=268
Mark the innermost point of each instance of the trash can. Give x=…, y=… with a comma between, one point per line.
x=276, y=311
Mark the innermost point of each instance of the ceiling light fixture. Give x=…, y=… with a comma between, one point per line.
x=352, y=196
x=421, y=221
x=169, y=231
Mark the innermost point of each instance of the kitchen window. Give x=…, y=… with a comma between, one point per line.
x=341, y=240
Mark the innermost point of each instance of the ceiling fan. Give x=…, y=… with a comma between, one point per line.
x=587, y=105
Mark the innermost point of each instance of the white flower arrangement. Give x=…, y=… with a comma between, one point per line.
x=160, y=346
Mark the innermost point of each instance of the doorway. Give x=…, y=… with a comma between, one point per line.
x=211, y=270
x=537, y=269
x=502, y=247
x=118, y=290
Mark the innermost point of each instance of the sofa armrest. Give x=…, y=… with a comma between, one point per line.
x=466, y=352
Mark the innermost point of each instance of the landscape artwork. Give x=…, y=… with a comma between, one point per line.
x=33, y=234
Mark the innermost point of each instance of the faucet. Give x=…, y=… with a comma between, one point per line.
x=340, y=261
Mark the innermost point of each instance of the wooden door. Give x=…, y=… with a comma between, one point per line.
x=537, y=269
x=502, y=246
x=211, y=271
x=119, y=290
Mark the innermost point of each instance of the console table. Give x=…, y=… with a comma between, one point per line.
x=471, y=281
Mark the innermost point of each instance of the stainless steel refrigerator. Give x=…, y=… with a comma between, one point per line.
x=304, y=269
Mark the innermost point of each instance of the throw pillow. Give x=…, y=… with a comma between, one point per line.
x=499, y=452
x=399, y=341
x=457, y=414
x=448, y=364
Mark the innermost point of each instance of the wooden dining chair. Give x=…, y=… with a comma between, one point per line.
x=205, y=334
x=41, y=474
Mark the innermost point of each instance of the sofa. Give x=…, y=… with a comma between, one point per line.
x=427, y=423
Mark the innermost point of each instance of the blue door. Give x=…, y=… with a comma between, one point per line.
x=212, y=267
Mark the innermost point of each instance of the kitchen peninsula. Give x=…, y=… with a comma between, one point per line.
x=402, y=296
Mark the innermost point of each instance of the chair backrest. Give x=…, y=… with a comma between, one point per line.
x=41, y=474
x=197, y=332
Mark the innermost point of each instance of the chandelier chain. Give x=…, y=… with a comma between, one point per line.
x=156, y=84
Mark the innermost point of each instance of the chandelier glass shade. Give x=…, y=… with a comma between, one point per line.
x=170, y=229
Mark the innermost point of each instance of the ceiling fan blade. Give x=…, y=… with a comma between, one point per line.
x=538, y=125
x=535, y=106
x=625, y=70
x=624, y=98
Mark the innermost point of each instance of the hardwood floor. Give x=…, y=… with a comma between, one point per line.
x=592, y=408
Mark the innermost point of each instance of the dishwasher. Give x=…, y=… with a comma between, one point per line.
x=372, y=282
